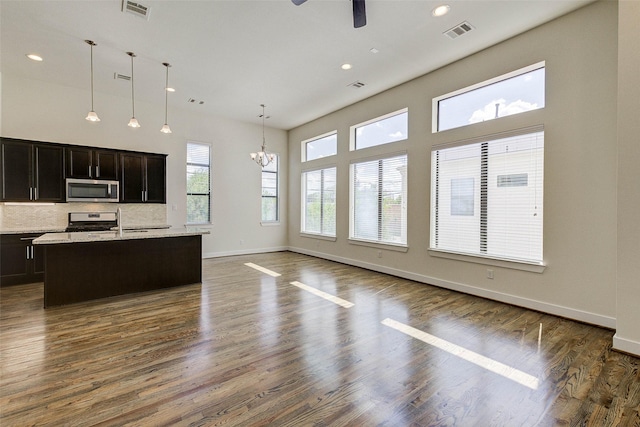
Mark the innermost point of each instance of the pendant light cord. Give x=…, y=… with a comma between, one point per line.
x=91, y=45
x=133, y=102
x=166, y=94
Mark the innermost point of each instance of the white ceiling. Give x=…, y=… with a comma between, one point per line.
x=235, y=55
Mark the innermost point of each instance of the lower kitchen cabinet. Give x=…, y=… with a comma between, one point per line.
x=21, y=261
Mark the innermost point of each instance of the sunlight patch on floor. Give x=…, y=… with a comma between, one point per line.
x=465, y=354
x=334, y=299
x=262, y=269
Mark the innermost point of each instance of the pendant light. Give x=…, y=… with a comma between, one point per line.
x=92, y=116
x=133, y=122
x=165, y=127
x=262, y=158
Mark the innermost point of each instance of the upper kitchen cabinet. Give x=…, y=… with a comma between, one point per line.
x=87, y=163
x=30, y=171
x=143, y=178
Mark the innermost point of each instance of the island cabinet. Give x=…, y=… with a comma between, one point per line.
x=143, y=178
x=88, y=163
x=31, y=171
x=21, y=260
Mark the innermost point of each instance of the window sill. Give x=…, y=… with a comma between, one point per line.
x=380, y=245
x=318, y=236
x=496, y=262
x=269, y=223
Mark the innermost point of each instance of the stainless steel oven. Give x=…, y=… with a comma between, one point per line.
x=92, y=190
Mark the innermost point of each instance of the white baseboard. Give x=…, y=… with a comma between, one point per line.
x=557, y=310
x=244, y=252
x=626, y=345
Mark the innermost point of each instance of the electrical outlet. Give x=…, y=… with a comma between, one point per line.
x=489, y=274
x=241, y=241
x=379, y=254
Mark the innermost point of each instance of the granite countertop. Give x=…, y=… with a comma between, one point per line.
x=105, y=236
x=54, y=229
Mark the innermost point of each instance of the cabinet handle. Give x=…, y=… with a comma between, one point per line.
x=90, y=172
x=98, y=171
x=30, y=193
x=143, y=195
x=35, y=193
x=32, y=249
x=28, y=252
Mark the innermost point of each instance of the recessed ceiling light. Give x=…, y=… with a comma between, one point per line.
x=374, y=50
x=34, y=57
x=441, y=10
x=170, y=89
x=346, y=66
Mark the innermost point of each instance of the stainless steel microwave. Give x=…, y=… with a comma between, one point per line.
x=92, y=190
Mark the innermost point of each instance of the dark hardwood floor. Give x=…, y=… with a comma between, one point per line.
x=248, y=349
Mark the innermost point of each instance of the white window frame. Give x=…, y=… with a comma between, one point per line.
x=518, y=264
x=303, y=232
x=210, y=166
x=402, y=247
x=303, y=145
x=435, y=107
x=353, y=129
x=277, y=196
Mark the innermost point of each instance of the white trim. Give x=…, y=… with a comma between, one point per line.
x=434, y=102
x=490, y=137
x=318, y=236
x=270, y=223
x=545, y=307
x=626, y=345
x=379, y=245
x=488, y=260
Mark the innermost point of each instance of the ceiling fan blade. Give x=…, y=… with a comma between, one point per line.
x=298, y=2
x=359, y=14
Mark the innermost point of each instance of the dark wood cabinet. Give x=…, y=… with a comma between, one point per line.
x=87, y=163
x=143, y=178
x=31, y=172
x=21, y=260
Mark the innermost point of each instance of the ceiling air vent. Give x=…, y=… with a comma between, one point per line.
x=458, y=30
x=136, y=8
x=119, y=76
x=356, y=84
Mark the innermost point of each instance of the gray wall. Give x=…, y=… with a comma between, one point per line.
x=580, y=169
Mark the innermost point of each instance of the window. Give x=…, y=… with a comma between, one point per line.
x=379, y=200
x=319, y=147
x=382, y=130
x=198, y=183
x=512, y=93
x=487, y=197
x=319, y=202
x=270, y=191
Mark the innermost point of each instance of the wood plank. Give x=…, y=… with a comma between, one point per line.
x=247, y=349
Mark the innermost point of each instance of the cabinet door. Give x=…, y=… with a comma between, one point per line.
x=14, y=262
x=132, y=177
x=106, y=164
x=38, y=262
x=49, y=176
x=156, y=179
x=15, y=174
x=78, y=162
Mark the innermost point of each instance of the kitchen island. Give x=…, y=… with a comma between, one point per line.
x=91, y=265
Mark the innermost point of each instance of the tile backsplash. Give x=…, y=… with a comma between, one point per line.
x=25, y=216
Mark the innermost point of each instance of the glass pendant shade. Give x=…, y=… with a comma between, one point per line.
x=92, y=116
x=165, y=128
x=133, y=123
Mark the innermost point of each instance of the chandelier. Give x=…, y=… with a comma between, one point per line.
x=262, y=157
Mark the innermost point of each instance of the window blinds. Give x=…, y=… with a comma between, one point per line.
x=319, y=196
x=379, y=200
x=487, y=197
x=198, y=183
